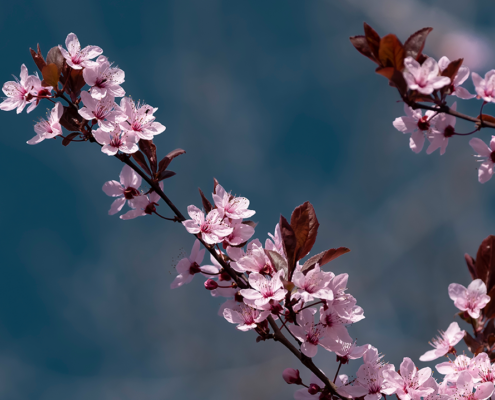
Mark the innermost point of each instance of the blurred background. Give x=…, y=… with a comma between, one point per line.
x=270, y=98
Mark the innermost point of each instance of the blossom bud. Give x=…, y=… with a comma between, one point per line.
x=313, y=388
x=210, y=284
x=291, y=376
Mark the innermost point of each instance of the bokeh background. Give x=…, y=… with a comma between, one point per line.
x=271, y=99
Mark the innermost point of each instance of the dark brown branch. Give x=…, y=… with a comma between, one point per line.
x=447, y=110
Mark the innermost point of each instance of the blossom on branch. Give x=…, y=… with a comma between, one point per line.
x=473, y=299
x=103, y=111
x=486, y=155
x=245, y=316
x=485, y=88
x=19, y=92
x=139, y=119
x=459, y=79
x=416, y=124
x=230, y=206
x=116, y=140
x=143, y=205
x=424, y=78
x=76, y=57
x=263, y=289
x=212, y=228
x=313, y=285
x=444, y=343
x=443, y=130
x=409, y=384
x=127, y=189
x=48, y=128
x=103, y=79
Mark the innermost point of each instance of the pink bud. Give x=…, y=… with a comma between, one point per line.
x=313, y=388
x=291, y=376
x=210, y=284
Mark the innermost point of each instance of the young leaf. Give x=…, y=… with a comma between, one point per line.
x=38, y=58
x=489, y=310
x=305, y=226
x=139, y=158
x=290, y=242
x=149, y=149
x=452, y=69
x=55, y=56
x=361, y=45
x=413, y=47
x=485, y=262
x=387, y=72
x=473, y=345
x=51, y=75
x=71, y=119
x=373, y=39
x=206, y=203
x=165, y=175
x=470, y=265
x=278, y=262
x=324, y=257
x=68, y=139
x=391, y=52
x=165, y=161
x=77, y=81
x=397, y=80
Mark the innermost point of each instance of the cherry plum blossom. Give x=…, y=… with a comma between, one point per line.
x=314, y=284
x=417, y=125
x=103, y=111
x=127, y=189
x=459, y=79
x=486, y=155
x=485, y=88
x=465, y=385
x=409, y=384
x=245, y=316
x=19, y=92
x=241, y=233
x=473, y=299
x=424, y=78
x=76, y=57
x=263, y=289
x=444, y=343
x=116, y=140
x=103, y=79
x=442, y=132
x=371, y=383
x=48, y=128
x=142, y=205
x=230, y=206
x=139, y=119
x=212, y=229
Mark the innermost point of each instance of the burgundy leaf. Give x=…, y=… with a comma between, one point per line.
x=139, y=158
x=71, y=120
x=391, y=52
x=324, y=257
x=361, y=45
x=149, y=150
x=413, y=47
x=38, y=58
x=373, y=39
x=485, y=262
x=165, y=162
x=68, y=139
x=473, y=345
x=470, y=265
x=305, y=226
x=206, y=203
x=165, y=175
x=278, y=262
x=290, y=242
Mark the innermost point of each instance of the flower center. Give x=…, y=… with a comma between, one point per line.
x=423, y=123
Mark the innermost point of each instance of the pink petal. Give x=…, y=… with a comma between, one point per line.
x=117, y=205
x=113, y=188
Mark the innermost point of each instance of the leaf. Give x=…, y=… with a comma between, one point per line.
x=387, y=72
x=305, y=226
x=68, y=139
x=470, y=265
x=414, y=45
x=55, y=56
x=485, y=262
x=489, y=310
x=139, y=157
x=51, y=75
x=278, y=262
x=165, y=175
x=452, y=69
x=391, y=52
x=206, y=203
x=165, y=161
x=38, y=58
x=290, y=242
x=324, y=257
x=361, y=45
x=398, y=81
x=71, y=119
x=373, y=39
x=149, y=150
x=77, y=81
x=473, y=345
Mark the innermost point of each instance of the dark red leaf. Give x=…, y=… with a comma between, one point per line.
x=149, y=150
x=165, y=162
x=206, y=203
x=470, y=265
x=473, y=345
x=139, y=158
x=305, y=226
x=55, y=56
x=165, y=175
x=68, y=139
x=489, y=310
x=413, y=47
x=278, y=262
x=324, y=257
x=398, y=81
x=38, y=58
x=361, y=45
x=77, y=81
x=51, y=75
x=71, y=120
x=373, y=39
x=387, y=72
x=391, y=52
x=452, y=69
x=290, y=242
x=485, y=262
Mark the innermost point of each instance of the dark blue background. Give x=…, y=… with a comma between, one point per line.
x=271, y=99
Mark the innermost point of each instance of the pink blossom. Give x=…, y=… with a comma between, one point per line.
x=482, y=368
x=347, y=350
x=310, y=334
x=291, y=376
x=473, y=299
x=424, y=78
x=437, y=393
x=303, y=394
x=245, y=316
x=101, y=110
x=409, y=384
x=372, y=356
x=139, y=119
x=190, y=266
x=48, y=128
x=255, y=259
x=103, y=79
x=444, y=343
x=142, y=205
x=263, y=289
x=76, y=57
x=230, y=206
x=314, y=284
x=452, y=369
x=276, y=243
x=487, y=156
x=127, y=189
x=116, y=140
x=212, y=229
x=416, y=124
x=485, y=88
x=241, y=233
x=19, y=92
x=335, y=325
x=465, y=385
x=38, y=91
x=370, y=382
x=442, y=132
x=459, y=79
